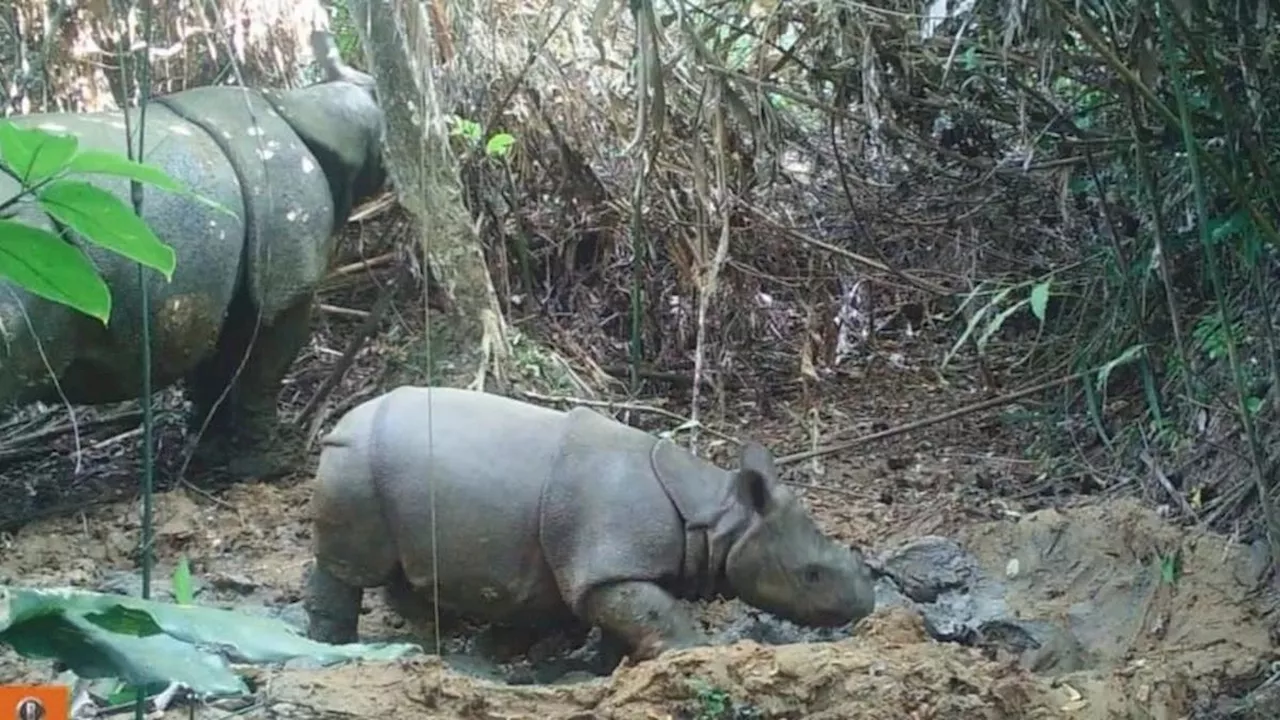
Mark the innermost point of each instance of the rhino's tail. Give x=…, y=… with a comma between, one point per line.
x=352, y=537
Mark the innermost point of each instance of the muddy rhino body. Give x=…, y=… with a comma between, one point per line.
x=544, y=517
x=286, y=168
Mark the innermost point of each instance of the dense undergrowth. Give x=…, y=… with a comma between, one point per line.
x=1064, y=187
x=1075, y=189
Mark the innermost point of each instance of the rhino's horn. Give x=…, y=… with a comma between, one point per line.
x=325, y=49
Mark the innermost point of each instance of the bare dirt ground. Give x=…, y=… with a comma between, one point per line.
x=1159, y=648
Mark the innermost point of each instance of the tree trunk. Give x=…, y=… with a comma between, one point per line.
x=399, y=43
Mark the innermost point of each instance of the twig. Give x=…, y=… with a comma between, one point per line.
x=338, y=310
x=708, y=273
x=21, y=446
x=1153, y=466
x=354, y=345
x=675, y=378
x=918, y=424
x=918, y=282
x=377, y=206
x=359, y=265
x=117, y=438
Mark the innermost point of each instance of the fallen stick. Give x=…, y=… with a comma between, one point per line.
x=348, y=312
x=376, y=206
x=357, y=266
x=371, y=321
x=28, y=444
x=926, y=422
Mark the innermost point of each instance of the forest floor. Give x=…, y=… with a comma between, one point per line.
x=1162, y=650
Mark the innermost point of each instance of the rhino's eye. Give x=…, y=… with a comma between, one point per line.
x=812, y=575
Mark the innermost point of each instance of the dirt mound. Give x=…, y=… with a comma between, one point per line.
x=1128, y=585
x=1155, y=616
x=1135, y=643
x=892, y=671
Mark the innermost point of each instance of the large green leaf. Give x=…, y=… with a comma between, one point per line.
x=149, y=643
x=102, y=218
x=52, y=268
x=34, y=154
x=102, y=162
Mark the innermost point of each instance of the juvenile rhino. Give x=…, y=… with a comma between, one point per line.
x=289, y=166
x=546, y=518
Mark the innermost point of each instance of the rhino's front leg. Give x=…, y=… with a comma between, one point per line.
x=643, y=616
x=333, y=608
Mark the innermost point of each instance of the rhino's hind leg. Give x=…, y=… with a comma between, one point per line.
x=243, y=433
x=643, y=616
x=333, y=608
x=415, y=606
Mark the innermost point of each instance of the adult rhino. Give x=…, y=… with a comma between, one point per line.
x=289, y=165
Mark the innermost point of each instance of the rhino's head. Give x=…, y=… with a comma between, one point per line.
x=783, y=563
x=340, y=121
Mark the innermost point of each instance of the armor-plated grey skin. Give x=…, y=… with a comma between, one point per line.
x=544, y=518
x=289, y=166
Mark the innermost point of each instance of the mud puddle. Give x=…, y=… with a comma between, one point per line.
x=1097, y=612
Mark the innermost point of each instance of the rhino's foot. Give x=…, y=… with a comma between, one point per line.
x=643, y=617
x=333, y=608
x=247, y=457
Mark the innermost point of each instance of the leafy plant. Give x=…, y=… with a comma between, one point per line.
x=498, y=146
x=713, y=703
x=344, y=31
x=183, y=591
x=1037, y=300
x=50, y=265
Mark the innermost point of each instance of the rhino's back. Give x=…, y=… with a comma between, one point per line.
x=287, y=197
x=187, y=312
x=489, y=457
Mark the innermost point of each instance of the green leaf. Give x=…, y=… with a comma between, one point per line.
x=182, y=586
x=1253, y=405
x=469, y=129
x=975, y=318
x=994, y=325
x=102, y=162
x=52, y=268
x=35, y=154
x=195, y=644
x=123, y=694
x=123, y=620
x=1171, y=567
x=499, y=145
x=1129, y=355
x=1040, y=299
x=103, y=219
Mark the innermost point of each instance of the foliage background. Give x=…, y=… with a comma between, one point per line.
x=883, y=178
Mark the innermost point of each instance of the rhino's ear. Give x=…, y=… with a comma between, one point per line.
x=754, y=491
x=325, y=49
x=755, y=482
x=754, y=456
